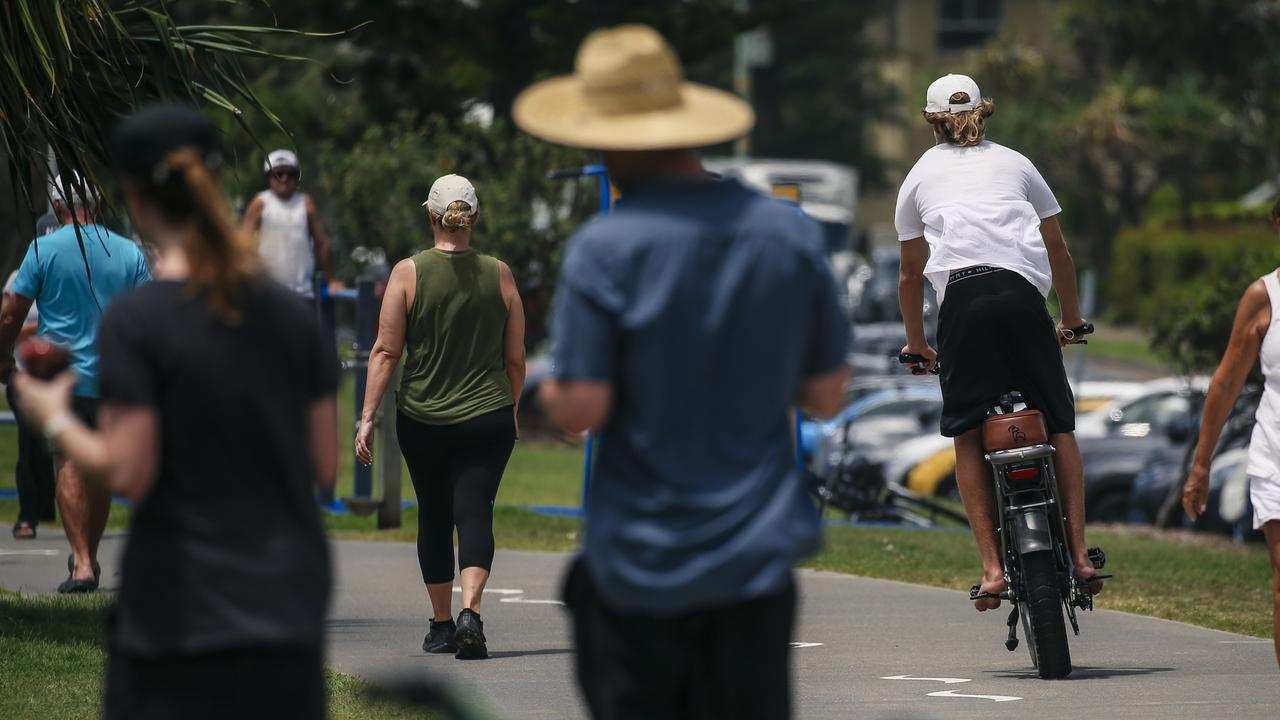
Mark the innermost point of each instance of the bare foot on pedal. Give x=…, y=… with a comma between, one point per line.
x=1086, y=571
x=993, y=585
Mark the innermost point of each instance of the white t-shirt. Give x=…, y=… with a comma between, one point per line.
x=977, y=205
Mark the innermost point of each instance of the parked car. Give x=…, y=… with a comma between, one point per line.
x=914, y=401
x=1228, y=510
x=1156, y=407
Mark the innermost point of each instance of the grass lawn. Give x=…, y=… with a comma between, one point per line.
x=51, y=661
x=1124, y=344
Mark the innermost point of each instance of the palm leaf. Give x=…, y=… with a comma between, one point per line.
x=70, y=69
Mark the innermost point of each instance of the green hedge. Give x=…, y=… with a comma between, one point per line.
x=1153, y=268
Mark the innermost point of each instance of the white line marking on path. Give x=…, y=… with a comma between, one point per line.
x=530, y=602
x=45, y=553
x=954, y=694
x=496, y=591
x=805, y=644
x=947, y=681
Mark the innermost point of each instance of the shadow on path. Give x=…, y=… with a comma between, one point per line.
x=1081, y=672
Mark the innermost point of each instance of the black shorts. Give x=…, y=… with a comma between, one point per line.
x=995, y=335
x=732, y=661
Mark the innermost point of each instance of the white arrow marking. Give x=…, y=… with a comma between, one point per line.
x=805, y=644
x=947, y=681
x=45, y=553
x=531, y=602
x=496, y=591
x=954, y=694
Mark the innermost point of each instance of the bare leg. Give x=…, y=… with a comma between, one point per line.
x=473, y=582
x=84, y=511
x=1272, y=530
x=441, y=595
x=973, y=478
x=1070, y=468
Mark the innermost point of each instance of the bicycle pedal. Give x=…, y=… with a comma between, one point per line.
x=975, y=593
x=1097, y=557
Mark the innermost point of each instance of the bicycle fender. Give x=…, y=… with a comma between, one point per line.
x=1031, y=531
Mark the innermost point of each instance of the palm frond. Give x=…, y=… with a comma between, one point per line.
x=70, y=69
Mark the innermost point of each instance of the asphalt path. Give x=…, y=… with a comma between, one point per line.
x=866, y=648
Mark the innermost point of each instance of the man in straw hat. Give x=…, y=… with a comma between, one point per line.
x=688, y=322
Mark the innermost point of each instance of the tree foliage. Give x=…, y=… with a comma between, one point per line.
x=73, y=68
x=1135, y=95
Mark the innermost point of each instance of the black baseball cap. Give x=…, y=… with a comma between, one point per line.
x=141, y=141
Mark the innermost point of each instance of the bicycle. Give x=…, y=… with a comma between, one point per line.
x=1038, y=572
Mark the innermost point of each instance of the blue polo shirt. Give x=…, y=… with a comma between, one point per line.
x=705, y=305
x=71, y=308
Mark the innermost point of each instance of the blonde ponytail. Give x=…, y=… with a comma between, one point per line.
x=962, y=128
x=457, y=217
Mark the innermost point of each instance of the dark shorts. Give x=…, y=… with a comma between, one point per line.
x=995, y=335
x=248, y=683
x=724, y=662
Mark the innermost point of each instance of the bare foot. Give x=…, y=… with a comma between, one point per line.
x=990, y=584
x=1086, y=571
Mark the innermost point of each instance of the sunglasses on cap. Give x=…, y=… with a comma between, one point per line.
x=285, y=174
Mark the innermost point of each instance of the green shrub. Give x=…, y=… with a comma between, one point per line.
x=1155, y=268
x=1184, y=286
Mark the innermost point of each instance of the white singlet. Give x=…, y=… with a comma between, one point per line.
x=1264, y=445
x=284, y=242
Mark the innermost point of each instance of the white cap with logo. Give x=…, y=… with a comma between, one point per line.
x=448, y=189
x=280, y=158
x=75, y=183
x=938, y=99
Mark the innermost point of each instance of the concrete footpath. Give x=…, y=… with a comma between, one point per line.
x=865, y=648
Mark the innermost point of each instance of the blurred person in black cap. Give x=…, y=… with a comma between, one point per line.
x=218, y=418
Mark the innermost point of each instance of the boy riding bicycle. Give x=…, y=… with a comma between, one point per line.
x=978, y=221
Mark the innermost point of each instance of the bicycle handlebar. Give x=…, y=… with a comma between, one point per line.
x=1073, y=336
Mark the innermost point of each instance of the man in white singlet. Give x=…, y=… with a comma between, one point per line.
x=292, y=241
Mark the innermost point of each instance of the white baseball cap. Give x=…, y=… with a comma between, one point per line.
x=280, y=158
x=938, y=99
x=448, y=189
x=74, y=184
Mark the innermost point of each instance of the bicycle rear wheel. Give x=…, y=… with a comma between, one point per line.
x=1042, y=611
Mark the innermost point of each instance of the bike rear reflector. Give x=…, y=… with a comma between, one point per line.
x=1024, y=473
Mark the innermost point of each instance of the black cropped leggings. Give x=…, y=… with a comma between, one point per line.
x=455, y=471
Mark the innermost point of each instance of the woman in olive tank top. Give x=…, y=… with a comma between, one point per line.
x=456, y=315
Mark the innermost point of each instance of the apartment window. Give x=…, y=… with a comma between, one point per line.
x=965, y=23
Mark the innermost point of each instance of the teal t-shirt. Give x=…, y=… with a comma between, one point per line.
x=70, y=307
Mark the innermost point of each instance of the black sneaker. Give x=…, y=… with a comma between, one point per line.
x=440, y=638
x=470, y=637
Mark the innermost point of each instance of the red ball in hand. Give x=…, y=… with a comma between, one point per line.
x=43, y=358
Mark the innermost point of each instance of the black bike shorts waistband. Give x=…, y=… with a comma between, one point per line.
x=971, y=272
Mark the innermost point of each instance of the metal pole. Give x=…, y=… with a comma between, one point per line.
x=606, y=204
x=366, y=333
x=328, y=327
x=389, y=457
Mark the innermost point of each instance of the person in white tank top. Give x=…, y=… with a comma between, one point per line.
x=1255, y=337
x=292, y=241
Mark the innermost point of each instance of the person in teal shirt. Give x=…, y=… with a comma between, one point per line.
x=73, y=289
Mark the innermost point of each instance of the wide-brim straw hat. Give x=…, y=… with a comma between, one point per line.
x=628, y=92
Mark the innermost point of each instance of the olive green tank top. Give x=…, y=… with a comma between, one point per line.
x=454, y=368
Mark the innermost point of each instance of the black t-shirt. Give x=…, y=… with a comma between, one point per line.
x=228, y=549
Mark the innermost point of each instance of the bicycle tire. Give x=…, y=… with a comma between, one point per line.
x=1042, y=606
